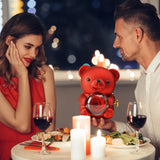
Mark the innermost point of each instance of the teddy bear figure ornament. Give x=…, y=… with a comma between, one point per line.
x=97, y=83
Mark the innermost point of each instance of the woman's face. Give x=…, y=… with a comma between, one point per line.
x=28, y=48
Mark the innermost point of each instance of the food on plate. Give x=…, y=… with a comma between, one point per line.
x=124, y=138
x=64, y=130
x=62, y=134
x=108, y=139
x=118, y=142
x=66, y=134
x=58, y=137
x=46, y=135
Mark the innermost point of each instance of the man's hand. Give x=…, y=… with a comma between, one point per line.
x=103, y=123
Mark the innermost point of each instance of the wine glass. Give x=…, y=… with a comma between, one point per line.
x=136, y=119
x=42, y=118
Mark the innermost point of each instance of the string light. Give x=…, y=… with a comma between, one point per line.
x=15, y=7
x=99, y=60
x=52, y=29
x=132, y=75
x=70, y=75
x=31, y=4
x=113, y=66
x=54, y=45
x=97, y=53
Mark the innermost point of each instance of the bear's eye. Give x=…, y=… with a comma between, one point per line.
x=88, y=79
x=108, y=82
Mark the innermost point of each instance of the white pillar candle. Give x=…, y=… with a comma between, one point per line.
x=83, y=122
x=78, y=144
x=98, y=145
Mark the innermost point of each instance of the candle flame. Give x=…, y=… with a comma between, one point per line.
x=98, y=133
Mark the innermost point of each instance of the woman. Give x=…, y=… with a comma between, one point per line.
x=24, y=80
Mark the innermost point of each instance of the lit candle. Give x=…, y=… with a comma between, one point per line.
x=78, y=144
x=84, y=123
x=98, y=145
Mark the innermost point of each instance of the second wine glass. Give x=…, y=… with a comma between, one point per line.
x=42, y=117
x=136, y=119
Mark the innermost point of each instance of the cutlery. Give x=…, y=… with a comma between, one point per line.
x=36, y=145
x=49, y=143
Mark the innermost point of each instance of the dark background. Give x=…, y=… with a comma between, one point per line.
x=83, y=26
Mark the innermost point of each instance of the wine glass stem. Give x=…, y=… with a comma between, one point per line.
x=137, y=141
x=43, y=144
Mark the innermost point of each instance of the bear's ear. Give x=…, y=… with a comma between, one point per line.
x=82, y=69
x=115, y=73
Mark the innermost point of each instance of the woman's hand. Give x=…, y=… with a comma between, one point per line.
x=13, y=57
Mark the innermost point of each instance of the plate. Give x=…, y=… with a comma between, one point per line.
x=53, y=133
x=130, y=146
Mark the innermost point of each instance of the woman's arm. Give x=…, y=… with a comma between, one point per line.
x=50, y=93
x=19, y=119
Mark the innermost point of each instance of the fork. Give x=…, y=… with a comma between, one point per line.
x=49, y=143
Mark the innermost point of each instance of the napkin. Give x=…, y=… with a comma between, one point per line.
x=34, y=145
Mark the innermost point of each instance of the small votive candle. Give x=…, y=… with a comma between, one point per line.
x=84, y=122
x=98, y=145
x=78, y=144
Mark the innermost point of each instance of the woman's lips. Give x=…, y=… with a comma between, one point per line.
x=28, y=60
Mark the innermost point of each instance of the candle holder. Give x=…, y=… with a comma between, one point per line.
x=84, y=122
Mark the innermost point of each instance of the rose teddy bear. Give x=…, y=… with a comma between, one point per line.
x=97, y=83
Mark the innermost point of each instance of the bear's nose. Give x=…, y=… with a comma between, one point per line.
x=98, y=81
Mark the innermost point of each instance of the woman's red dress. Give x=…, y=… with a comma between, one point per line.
x=8, y=136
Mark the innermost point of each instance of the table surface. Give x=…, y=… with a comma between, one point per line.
x=147, y=153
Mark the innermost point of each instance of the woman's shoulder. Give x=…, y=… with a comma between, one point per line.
x=46, y=70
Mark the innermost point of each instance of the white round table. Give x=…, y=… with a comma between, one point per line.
x=147, y=153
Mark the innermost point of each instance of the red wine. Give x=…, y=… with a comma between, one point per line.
x=42, y=122
x=136, y=122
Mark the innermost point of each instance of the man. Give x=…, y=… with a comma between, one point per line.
x=137, y=30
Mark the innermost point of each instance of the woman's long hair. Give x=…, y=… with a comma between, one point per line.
x=19, y=26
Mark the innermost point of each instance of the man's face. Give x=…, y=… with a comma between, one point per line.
x=125, y=40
